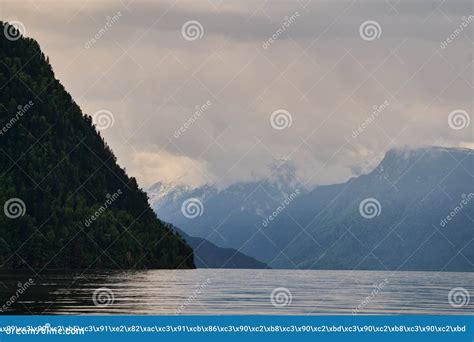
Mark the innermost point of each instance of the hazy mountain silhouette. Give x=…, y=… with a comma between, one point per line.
x=208, y=255
x=324, y=229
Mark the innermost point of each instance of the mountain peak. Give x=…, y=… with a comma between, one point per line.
x=397, y=161
x=282, y=174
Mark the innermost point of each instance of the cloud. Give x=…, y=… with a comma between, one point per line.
x=169, y=168
x=318, y=69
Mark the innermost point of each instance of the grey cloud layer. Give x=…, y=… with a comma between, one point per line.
x=319, y=69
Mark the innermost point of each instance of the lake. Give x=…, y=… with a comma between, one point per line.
x=238, y=292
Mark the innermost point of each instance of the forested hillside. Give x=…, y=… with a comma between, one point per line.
x=67, y=204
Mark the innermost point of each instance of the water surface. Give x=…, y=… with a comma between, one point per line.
x=238, y=292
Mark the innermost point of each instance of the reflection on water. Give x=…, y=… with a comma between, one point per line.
x=230, y=292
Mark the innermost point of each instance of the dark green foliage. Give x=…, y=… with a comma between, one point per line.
x=54, y=160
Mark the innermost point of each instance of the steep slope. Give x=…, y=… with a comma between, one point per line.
x=324, y=229
x=67, y=204
x=208, y=255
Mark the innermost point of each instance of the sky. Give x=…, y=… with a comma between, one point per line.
x=216, y=92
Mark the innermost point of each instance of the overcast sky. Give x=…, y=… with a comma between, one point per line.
x=252, y=58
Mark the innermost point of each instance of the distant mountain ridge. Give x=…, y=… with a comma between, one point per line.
x=167, y=197
x=208, y=255
x=324, y=228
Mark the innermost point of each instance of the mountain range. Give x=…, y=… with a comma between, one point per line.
x=414, y=211
x=69, y=205
x=208, y=255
